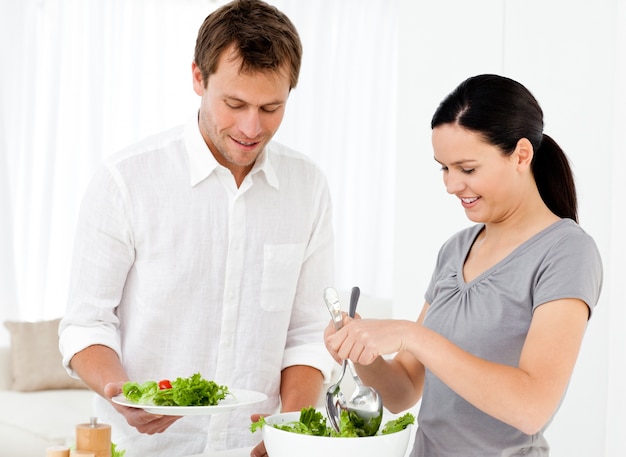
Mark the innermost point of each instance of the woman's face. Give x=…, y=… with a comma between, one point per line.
x=487, y=182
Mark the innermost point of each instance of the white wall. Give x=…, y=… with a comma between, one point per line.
x=567, y=52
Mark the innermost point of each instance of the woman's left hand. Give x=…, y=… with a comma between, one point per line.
x=259, y=449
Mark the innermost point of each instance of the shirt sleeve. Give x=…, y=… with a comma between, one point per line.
x=103, y=254
x=305, y=345
x=571, y=269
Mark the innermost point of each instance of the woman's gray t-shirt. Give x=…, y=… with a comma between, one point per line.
x=489, y=317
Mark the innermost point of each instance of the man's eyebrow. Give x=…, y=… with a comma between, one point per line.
x=237, y=99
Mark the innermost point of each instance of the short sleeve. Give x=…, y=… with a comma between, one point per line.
x=571, y=269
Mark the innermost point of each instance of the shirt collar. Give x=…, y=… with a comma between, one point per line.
x=202, y=163
x=264, y=164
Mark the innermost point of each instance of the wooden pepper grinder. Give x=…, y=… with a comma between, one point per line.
x=94, y=437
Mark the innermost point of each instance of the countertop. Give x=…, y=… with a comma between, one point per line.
x=241, y=452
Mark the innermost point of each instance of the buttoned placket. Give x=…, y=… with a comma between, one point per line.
x=234, y=267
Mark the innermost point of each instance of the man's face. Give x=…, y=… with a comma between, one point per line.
x=239, y=113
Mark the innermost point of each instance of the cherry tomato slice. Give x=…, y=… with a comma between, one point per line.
x=165, y=384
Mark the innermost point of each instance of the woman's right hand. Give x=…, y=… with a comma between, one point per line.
x=364, y=340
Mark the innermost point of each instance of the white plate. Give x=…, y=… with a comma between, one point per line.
x=236, y=399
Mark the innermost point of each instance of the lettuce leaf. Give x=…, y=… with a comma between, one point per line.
x=140, y=393
x=313, y=422
x=115, y=452
x=191, y=391
x=398, y=424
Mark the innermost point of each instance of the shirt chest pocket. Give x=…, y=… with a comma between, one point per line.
x=281, y=269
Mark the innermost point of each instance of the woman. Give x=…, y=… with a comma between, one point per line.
x=493, y=349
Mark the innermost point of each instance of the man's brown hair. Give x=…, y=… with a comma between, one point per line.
x=264, y=38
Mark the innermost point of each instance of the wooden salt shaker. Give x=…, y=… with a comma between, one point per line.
x=94, y=437
x=58, y=451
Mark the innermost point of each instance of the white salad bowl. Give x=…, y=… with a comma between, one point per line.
x=282, y=443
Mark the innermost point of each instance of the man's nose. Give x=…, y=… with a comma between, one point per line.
x=250, y=123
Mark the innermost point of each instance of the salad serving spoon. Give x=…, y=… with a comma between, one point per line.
x=335, y=401
x=365, y=407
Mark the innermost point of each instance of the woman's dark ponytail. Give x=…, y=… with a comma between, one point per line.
x=503, y=111
x=554, y=179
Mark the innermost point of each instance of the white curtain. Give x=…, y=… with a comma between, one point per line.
x=82, y=78
x=616, y=267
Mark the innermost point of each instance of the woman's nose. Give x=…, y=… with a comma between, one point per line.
x=453, y=182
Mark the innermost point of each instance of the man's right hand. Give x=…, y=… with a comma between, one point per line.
x=143, y=421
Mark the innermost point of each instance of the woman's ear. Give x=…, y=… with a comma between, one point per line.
x=524, y=153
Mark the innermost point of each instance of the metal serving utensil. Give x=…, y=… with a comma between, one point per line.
x=335, y=401
x=365, y=407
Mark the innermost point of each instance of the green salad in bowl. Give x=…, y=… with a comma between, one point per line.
x=308, y=434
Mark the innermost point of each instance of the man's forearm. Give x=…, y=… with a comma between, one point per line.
x=300, y=387
x=98, y=365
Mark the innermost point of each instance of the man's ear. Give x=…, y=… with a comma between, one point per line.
x=198, y=82
x=524, y=153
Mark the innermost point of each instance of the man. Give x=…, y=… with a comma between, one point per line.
x=207, y=249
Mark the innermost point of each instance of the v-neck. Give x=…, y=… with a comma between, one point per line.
x=514, y=253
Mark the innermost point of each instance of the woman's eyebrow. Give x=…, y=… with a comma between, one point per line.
x=458, y=162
